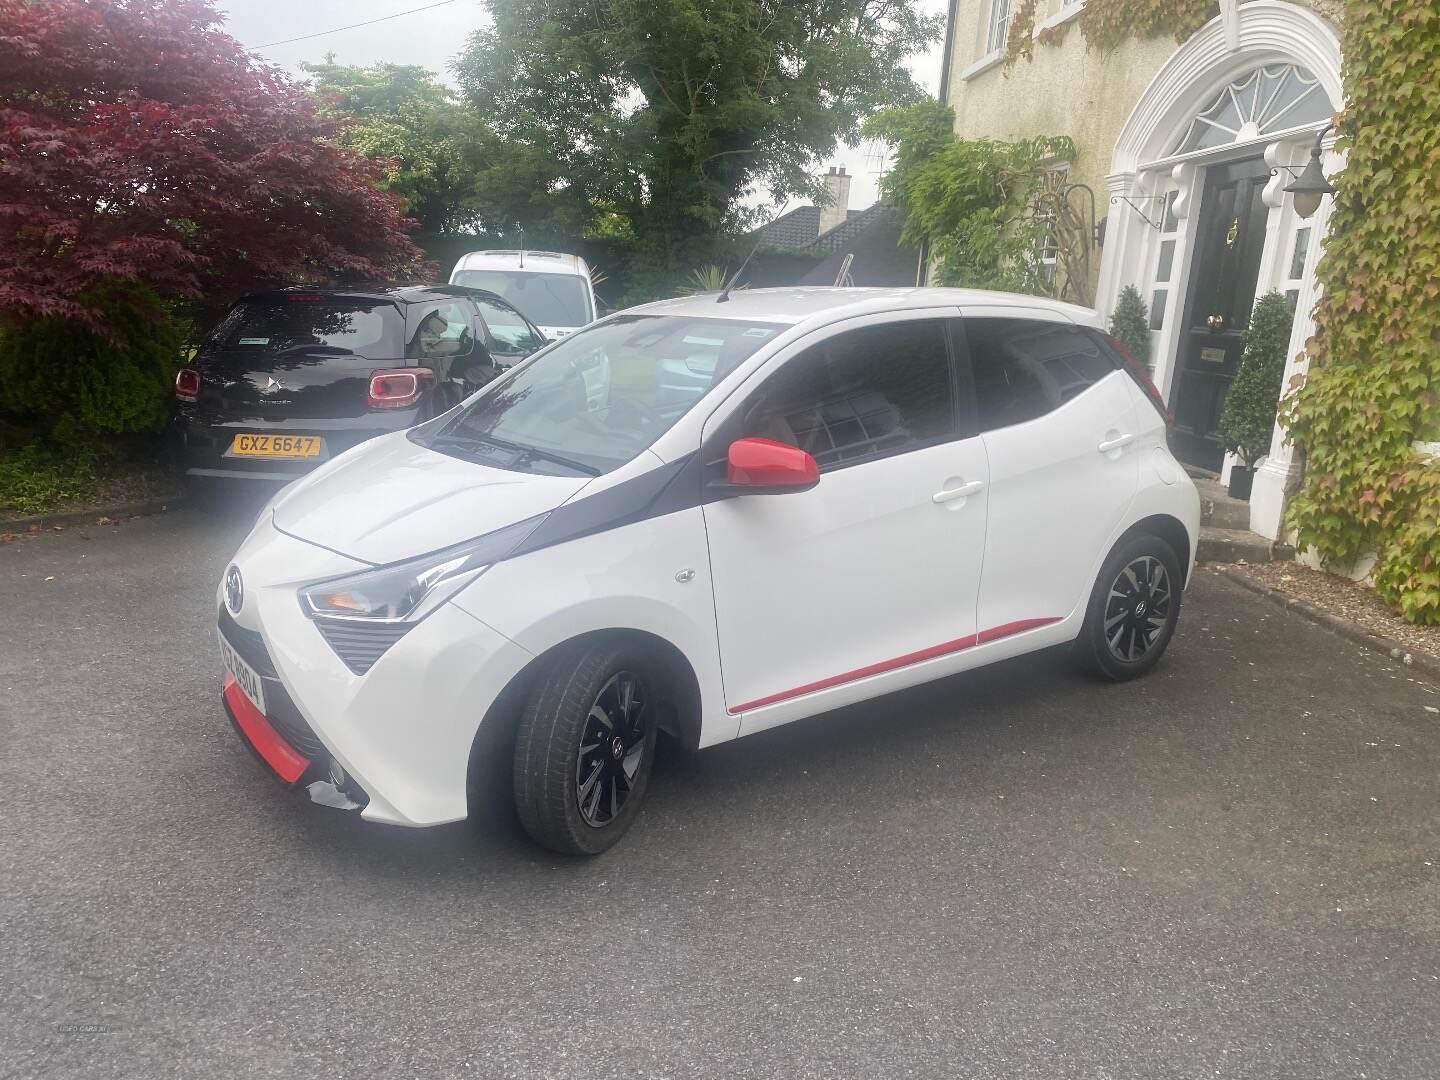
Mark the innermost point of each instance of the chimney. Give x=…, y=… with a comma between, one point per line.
x=837, y=205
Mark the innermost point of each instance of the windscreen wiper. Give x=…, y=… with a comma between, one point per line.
x=328, y=350
x=523, y=454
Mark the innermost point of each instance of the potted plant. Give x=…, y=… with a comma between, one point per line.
x=1249, y=414
x=1130, y=323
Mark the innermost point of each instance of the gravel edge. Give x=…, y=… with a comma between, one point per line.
x=91, y=517
x=1352, y=631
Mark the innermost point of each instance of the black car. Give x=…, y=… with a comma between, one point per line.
x=293, y=377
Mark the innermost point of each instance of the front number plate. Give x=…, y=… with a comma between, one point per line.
x=277, y=446
x=246, y=677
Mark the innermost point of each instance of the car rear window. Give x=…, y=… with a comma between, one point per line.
x=367, y=327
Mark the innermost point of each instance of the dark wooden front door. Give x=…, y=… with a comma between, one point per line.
x=1229, y=239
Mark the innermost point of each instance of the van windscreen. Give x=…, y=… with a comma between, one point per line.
x=544, y=299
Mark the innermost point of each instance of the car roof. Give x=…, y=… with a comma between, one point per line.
x=798, y=304
x=540, y=262
x=395, y=293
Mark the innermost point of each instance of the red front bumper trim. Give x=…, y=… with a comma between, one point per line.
x=278, y=754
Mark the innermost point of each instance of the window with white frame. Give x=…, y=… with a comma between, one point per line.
x=1270, y=98
x=999, y=25
x=1166, y=266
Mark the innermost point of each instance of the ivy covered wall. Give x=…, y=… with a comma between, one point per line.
x=1373, y=387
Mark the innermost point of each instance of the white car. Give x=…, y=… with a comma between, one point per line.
x=551, y=289
x=854, y=491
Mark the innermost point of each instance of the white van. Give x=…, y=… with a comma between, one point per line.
x=552, y=290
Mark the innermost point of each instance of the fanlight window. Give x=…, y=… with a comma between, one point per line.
x=1267, y=99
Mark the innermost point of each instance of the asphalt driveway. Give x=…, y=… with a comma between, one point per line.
x=1229, y=869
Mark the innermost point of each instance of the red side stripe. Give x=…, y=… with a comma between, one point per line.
x=1019, y=626
x=278, y=754
x=958, y=645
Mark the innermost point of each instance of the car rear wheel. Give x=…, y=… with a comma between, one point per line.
x=1133, y=609
x=584, y=749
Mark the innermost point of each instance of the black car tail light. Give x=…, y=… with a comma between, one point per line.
x=1141, y=374
x=187, y=384
x=399, y=388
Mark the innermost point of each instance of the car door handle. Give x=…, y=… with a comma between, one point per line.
x=1115, y=443
x=951, y=494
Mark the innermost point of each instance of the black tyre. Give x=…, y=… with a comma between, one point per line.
x=584, y=749
x=1133, y=609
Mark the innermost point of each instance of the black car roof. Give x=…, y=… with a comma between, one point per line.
x=397, y=294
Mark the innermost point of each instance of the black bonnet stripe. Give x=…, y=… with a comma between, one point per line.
x=663, y=490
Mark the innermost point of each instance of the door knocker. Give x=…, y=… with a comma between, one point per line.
x=1232, y=233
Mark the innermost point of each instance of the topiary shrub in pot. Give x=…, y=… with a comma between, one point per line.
x=1248, y=418
x=1130, y=323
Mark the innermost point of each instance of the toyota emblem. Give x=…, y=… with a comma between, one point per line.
x=234, y=590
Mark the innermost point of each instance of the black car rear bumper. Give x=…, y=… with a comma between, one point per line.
x=201, y=446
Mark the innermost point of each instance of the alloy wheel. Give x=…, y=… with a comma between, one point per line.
x=1137, y=608
x=612, y=747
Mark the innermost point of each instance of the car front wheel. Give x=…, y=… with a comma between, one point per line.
x=1133, y=609
x=584, y=749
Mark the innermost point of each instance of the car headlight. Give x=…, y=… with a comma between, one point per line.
x=405, y=592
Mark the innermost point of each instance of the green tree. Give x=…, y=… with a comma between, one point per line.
x=1130, y=324
x=1249, y=414
x=668, y=112
x=433, y=151
x=970, y=200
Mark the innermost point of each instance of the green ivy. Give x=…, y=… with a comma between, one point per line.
x=1248, y=419
x=1373, y=387
x=970, y=200
x=1130, y=323
x=1105, y=24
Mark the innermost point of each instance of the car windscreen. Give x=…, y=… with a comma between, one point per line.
x=371, y=328
x=544, y=299
x=592, y=401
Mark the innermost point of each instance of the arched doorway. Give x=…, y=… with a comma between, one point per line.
x=1198, y=221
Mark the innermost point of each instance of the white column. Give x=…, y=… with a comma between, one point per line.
x=1118, y=228
x=1279, y=474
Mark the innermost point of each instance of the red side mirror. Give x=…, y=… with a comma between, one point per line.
x=767, y=464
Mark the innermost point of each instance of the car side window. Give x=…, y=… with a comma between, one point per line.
x=861, y=395
x=512, y=335
x=443, y=333
x=1025, y=368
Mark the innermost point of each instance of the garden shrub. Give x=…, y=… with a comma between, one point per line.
x=78, y=388
x=1130, y=324
x=34, y=480
x=1248, y=419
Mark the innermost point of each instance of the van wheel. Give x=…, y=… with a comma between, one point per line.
x=584, y=749
x=1132, y=611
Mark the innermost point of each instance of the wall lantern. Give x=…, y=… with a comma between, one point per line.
x=1311, y=186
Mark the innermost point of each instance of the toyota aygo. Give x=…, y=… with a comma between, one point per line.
x=707, y=517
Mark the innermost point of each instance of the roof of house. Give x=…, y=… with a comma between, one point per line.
x=873, y=237
x=793, y=230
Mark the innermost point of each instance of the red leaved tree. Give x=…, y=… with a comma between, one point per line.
x=140, y=143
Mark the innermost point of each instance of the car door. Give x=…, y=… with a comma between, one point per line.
x=509, y=335
x=845, y=590
x=1057, y=418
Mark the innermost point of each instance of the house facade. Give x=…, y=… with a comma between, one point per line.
x=1187, y=148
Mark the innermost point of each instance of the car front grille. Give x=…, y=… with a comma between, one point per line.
x=280, y=710
x=249, y=644
x=360, y=644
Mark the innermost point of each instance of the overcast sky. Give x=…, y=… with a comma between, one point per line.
x=432, y=37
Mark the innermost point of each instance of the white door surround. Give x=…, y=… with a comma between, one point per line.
x=1145, y=169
